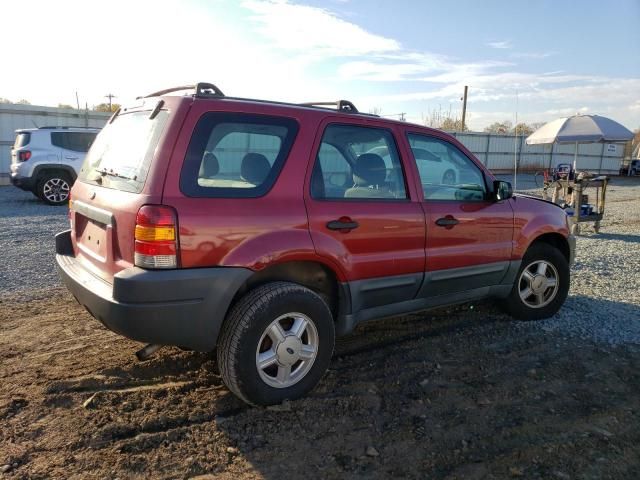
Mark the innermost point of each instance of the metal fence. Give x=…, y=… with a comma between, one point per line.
x=499, y=152
x=16, y=116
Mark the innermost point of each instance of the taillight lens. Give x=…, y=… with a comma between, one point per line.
x=24, y=155
x=156, y=241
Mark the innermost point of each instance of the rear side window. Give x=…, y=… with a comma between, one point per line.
x=22, y=140
x=122, y=152
x=236, y=155
x=75, y=141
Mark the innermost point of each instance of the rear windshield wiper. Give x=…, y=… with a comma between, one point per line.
x=104, y=172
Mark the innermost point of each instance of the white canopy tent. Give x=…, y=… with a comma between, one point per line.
x=580, y=129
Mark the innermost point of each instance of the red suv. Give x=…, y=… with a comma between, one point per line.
x=263, y=229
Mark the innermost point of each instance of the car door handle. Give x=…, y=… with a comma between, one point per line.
x=71, y=158
x=343, y=223
x=447, y=221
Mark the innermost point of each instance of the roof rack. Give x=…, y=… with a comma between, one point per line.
x=340, y=105
x=66, y=127
x=201, y=90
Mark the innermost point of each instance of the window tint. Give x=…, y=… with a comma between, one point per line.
x=22, y=140
x=445, y=172
x=236, y=155
x=357, y=162
x=75, y=141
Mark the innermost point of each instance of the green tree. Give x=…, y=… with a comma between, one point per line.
x=22, y=101
x=499, y=127
x=452, y=124
x=104, y=107
x=65, y=105
x=523, y=129
x=4, y=100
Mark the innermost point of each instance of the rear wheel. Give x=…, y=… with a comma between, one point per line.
x=276, y=343
x=53, y=188
x=541, y=286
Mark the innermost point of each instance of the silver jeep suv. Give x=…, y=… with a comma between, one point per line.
x=46, y=160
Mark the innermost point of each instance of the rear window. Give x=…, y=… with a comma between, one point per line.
x=236, y=155
x=75, y=141
x=22, y=140
x=122, y=152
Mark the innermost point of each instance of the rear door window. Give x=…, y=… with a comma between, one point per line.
x=236, y=155
x=75, y=141
x=356, y=162
x=121, y=154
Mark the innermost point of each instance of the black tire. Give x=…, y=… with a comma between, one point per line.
x=54, y=187
x=515, y=306
x=243, y=330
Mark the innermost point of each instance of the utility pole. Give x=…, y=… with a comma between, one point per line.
x=77, y=100
x=110, y=96
x=464, y=106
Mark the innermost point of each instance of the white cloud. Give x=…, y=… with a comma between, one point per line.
x=504, y=44
x=315, y=31
x=533, y=55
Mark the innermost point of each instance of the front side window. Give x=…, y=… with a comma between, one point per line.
x=445, y=172
x=236, y=155
x=356, y=162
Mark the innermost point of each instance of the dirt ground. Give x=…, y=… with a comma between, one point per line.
x=456, y=393
x=459, y=396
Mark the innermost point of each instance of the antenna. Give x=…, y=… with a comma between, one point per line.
x=515, y=149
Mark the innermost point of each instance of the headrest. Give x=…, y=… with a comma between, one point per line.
x=210, y=166
x=369, y=169
x=255, y=168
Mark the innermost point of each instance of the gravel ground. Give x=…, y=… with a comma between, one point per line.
x=456, y=393
x=27, y=227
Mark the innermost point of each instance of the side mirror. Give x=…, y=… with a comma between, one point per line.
x=502, y=190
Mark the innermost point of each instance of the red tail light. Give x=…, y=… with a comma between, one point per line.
x=24, y=155
x=156, y=238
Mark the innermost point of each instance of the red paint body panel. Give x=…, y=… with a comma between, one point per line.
x=534, y=218
x=247, y=232
x=484, y=234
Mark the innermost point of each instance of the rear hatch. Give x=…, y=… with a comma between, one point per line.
x=21, y=143
x=123, y=170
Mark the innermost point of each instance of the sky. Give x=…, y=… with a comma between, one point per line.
x=544, y=59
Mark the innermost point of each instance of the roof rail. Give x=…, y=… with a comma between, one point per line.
x=340, y=105
x=65, y=127
x=201, y=90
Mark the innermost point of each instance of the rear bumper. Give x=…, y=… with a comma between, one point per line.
x=167, y=307
x=25, y=183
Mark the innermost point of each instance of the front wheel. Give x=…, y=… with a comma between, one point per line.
x=541, y=286
x=276, y=343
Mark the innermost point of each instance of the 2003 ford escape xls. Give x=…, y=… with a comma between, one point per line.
x=264, y=229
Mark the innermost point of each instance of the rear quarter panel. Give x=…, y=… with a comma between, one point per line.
x=246, y=232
